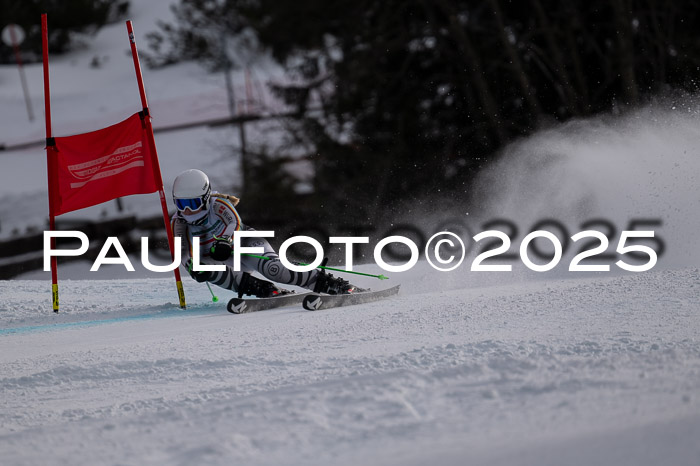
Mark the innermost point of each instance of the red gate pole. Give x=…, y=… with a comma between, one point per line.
x=154, y=161
x=50, y=157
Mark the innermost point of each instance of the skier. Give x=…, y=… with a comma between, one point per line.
x=213, y=218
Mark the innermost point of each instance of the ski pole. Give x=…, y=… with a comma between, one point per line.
x=214, y=298
x=381, y=277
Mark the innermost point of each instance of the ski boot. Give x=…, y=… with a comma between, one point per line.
x=327, y=283
x=253, y=286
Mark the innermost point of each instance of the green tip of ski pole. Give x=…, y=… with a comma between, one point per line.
x=213, y=296
x=382, y=277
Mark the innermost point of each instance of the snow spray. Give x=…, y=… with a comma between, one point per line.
x=605, y=172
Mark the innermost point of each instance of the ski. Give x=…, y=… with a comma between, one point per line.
x=242, y=305
x=315, y=301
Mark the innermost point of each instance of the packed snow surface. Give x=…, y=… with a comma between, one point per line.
x=486, y=368
x=596, y=370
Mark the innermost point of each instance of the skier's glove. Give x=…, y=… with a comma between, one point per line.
x=222, y=249
x=200, y=276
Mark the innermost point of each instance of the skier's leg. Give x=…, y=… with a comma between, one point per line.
x=273, y=269
x=244, y=283
x=227, y=279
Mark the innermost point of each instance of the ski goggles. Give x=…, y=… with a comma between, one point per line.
x=192, y=204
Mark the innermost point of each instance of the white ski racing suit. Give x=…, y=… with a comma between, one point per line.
x=222, y=220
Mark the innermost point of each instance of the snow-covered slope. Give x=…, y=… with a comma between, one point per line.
x=602, y=370
x=461, y=368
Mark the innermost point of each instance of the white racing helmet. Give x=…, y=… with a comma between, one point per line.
x=191, y=194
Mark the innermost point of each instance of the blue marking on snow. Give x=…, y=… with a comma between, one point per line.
x=113, y=320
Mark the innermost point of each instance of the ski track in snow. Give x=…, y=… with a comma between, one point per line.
x=524, y=373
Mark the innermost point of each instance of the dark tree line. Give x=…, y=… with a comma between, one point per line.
x=406, y=98
x=64, y=17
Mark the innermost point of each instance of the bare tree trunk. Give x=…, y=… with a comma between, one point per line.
x=660, y=42
x=625, y=49
x=558, y=57
x=581, y=89
x=521, y=76
x=473, y=64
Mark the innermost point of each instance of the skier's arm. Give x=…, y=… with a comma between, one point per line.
x=179, y=227
x=229, y=216
x=223, y=246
